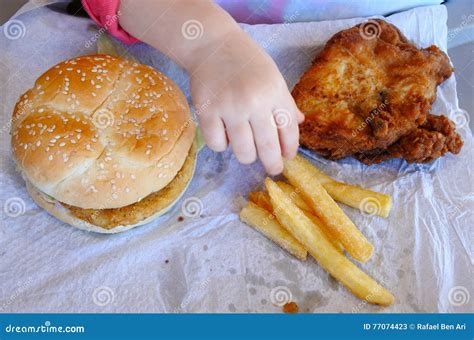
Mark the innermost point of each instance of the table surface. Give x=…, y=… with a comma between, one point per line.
x=461, y=46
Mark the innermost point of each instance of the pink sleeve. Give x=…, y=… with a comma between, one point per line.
x=105, y=14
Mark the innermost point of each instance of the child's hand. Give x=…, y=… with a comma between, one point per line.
x=240, y=95
x=236, y=87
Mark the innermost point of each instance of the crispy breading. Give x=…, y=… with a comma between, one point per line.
x=429, y=141
x=365, y=92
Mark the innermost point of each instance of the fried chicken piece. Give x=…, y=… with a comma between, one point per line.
x=429, y=141
x=367, y=89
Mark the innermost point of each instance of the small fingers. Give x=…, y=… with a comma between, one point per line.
x=213, y=131
x=288, y=132
x=268, y=145
x=299, y=116
x=241, y=138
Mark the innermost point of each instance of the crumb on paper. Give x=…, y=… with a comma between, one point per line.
x=290, y=308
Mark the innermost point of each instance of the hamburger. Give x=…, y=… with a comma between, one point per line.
x=103, y=143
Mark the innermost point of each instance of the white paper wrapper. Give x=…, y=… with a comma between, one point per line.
x=214, y=263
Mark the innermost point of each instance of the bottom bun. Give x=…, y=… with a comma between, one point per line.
x=109, y=221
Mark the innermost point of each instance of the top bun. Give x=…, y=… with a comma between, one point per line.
x=101, y=132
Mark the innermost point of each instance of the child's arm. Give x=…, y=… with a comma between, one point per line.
x=244, y=95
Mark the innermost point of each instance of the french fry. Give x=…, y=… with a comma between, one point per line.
x=269, y=226
x=300, y=226
x=294, y=195
x=261, y=199
x=317, y=222
x=367, y=201
x=339, y=225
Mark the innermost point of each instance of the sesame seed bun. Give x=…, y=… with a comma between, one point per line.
x=101, y=132
x=110, y=221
